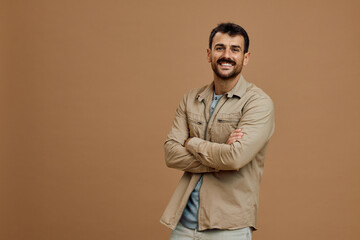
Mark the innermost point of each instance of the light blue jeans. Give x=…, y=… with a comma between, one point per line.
x=183, y=233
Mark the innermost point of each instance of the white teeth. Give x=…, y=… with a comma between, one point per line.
x=226, y=64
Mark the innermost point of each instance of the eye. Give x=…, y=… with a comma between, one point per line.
x=219, y=48
x=236, y=50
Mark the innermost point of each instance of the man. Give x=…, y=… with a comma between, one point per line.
x=219, y=138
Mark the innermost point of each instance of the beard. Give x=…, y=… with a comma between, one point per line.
x=229, y=74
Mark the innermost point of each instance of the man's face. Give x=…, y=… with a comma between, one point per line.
x=227, y=55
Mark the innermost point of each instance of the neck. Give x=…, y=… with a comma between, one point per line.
x=223, y=86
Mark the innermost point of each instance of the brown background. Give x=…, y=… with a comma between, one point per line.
x=88, y=92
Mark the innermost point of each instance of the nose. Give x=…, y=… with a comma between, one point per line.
x=227, y=53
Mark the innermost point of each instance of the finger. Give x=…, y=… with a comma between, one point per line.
x=233, y=139
x=237, y=135
x=236, y=132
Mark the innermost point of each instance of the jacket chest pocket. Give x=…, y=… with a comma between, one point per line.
x=196, y=125
x=224, y=124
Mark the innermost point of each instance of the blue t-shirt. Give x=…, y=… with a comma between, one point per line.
x=189, y=217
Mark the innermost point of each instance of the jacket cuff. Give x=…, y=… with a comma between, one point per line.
x=193, y=145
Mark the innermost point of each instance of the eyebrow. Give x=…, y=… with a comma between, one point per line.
x=222, y=45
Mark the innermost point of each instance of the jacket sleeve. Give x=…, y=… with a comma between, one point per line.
x=257, y=124
x=176, y=155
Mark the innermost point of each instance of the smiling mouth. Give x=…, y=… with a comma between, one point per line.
x=225, y=65
x=226, y=62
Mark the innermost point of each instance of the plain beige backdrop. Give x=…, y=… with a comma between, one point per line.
x=89, y=89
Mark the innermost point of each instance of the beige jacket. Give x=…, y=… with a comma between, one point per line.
x=229, y=195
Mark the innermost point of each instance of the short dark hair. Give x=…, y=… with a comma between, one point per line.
x=232, y=29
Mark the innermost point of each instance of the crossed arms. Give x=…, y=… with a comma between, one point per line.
x=197, y=155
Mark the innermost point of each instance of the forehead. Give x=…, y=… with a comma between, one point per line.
x=227, y=40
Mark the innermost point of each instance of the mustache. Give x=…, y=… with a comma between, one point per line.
x=225, y=60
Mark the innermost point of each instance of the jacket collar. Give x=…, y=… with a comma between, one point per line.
x=238, y=90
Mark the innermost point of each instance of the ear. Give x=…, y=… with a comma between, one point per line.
x=208, y=55
x=246, y=58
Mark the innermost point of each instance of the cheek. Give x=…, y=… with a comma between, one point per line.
x=214, y=58
x=241, y=61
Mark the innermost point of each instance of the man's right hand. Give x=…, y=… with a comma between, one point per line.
x=235, y=135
